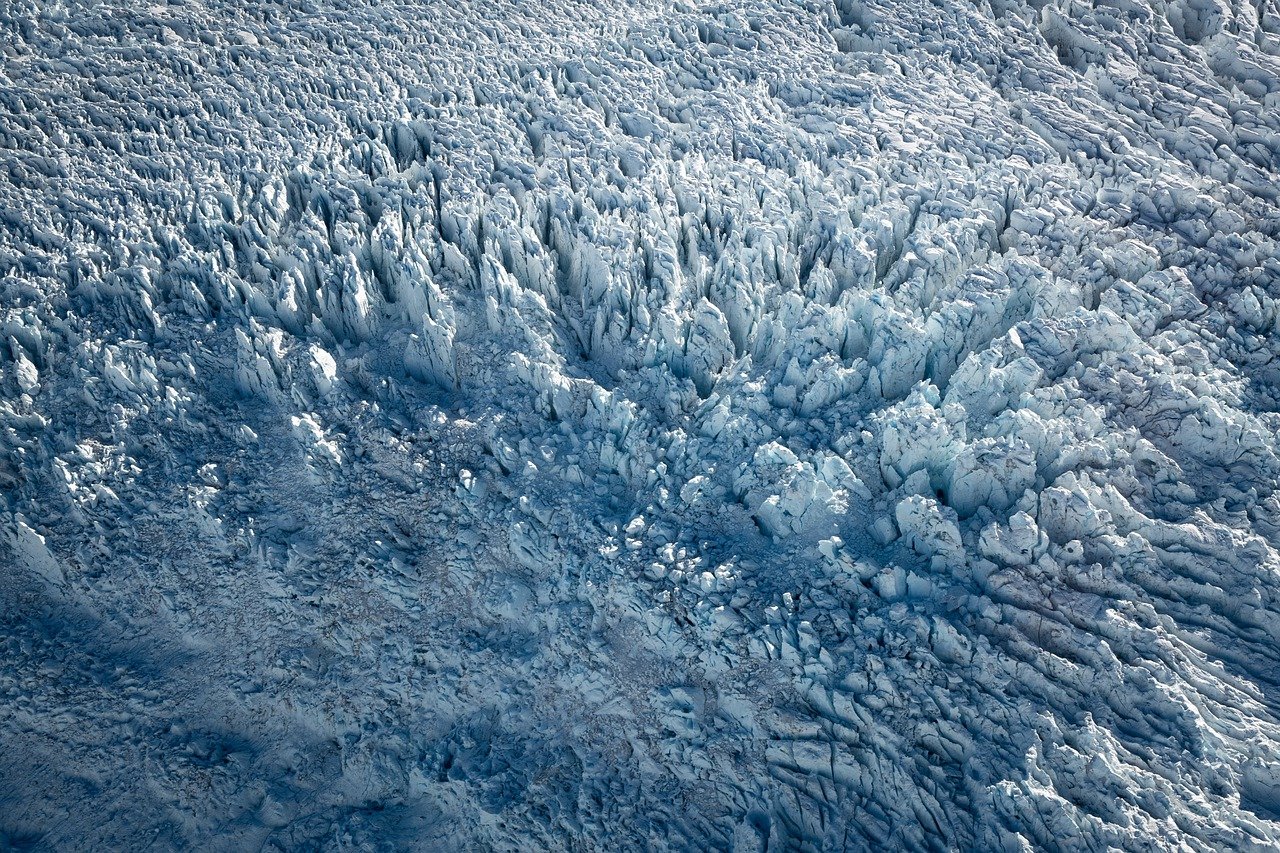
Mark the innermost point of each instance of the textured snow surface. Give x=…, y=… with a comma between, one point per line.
x=757, y=425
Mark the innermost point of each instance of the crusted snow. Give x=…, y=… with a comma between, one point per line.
x=773, y=425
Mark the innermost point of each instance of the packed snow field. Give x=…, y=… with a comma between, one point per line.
x=773, y=425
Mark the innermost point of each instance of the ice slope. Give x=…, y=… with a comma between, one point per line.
x=761, y=425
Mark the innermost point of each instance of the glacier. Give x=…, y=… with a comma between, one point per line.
x=759, y=425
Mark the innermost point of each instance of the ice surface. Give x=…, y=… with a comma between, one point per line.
x=770, y=426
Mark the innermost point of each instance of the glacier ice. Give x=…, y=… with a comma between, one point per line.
x=815, y=425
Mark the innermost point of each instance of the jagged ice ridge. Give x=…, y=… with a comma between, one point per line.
x=747, y=425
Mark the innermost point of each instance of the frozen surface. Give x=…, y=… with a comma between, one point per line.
x=770, y=425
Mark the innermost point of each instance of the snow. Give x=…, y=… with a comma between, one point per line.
x=777, y=425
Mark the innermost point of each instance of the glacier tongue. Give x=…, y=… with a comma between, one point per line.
x=778, y=425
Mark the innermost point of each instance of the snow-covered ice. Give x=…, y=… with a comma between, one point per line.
x=753, y=425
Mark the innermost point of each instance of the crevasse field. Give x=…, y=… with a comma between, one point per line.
x=767, y=425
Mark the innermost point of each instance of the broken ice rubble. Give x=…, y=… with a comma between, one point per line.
x=756, y=426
